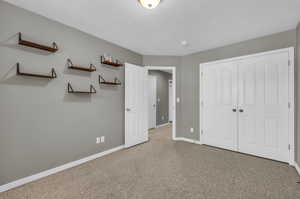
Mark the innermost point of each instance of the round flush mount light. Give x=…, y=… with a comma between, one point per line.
x=184, y=43
x=149, y=4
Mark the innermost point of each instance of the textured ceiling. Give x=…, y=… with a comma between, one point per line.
x=204, y=24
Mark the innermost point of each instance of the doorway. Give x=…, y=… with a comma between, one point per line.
x=161, y=104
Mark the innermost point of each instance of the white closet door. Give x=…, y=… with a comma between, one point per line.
x=152, y=96
x=263, y=106
x=219, y=91
x=136, y=105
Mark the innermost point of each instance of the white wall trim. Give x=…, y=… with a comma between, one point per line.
x=161, y=125
x=297, y=167
x=173, y=68
x=249, y=56
x=46, y=173
x=291, y=116
x=291, y=52
x=186, y=140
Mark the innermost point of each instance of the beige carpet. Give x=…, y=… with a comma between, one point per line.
x=163, y=169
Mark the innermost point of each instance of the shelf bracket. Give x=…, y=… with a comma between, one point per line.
x=103, y=81
x=53, y=73
x=71, y=90
x=111, y=63
x=54, y=47
x=92, y=68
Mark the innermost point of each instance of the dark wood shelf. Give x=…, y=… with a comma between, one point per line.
x=92, y=68
x=82, y=68
x=116, y=82
x=111, y=83
x=106, y=62
x=91, y=91
x=52, y=76
x=22, y=42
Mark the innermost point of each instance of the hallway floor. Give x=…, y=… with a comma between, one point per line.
x=164, y=169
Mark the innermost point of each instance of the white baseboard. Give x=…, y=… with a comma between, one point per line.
x=297, y=167
x=43, y=174
x=187, y=140
x=161, y=125
x=198, y=142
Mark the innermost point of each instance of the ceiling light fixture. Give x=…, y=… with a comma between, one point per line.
x=149, y=4
x=184, y=43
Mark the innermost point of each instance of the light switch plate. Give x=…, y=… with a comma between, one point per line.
x=98, y=140
x=102, y=139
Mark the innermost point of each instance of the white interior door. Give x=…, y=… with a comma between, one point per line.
x=219, y=99
x=171, y=101
x=136, y=105
x=263, y=100
x=152, y=84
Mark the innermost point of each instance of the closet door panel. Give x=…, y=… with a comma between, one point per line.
x=263, y=100
x=219, y=100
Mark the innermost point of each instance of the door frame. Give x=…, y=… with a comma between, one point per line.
x=170, y=109
x=155, y=125
x=291, y=105
x=173, y=68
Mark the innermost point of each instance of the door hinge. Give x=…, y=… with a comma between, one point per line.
x=202, y=74
x=289, y=147
x=201, y=132
x=202, y=103
x=289, y=62
x=289, y=105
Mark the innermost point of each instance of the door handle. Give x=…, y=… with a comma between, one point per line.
x=234, y=110
x=241, y=110
x=128, y=109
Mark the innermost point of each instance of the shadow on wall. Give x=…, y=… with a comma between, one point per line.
x=11, y=78
x=110, y=87
x=13, y=43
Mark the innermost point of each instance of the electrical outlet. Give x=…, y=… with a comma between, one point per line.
x=98, y=140
x=192, y=130
x=102, y=139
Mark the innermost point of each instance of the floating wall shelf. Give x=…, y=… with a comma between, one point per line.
x=22, y=42
x=92, y=68
x=52, y=76
x=91, y=91
x=103, y=81
x=111, y=63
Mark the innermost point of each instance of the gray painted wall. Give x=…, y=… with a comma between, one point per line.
x=190, y=63
x=162, y=90
x=188, y=74
x=54, y=127
x=297, y=95
x=42, y=126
